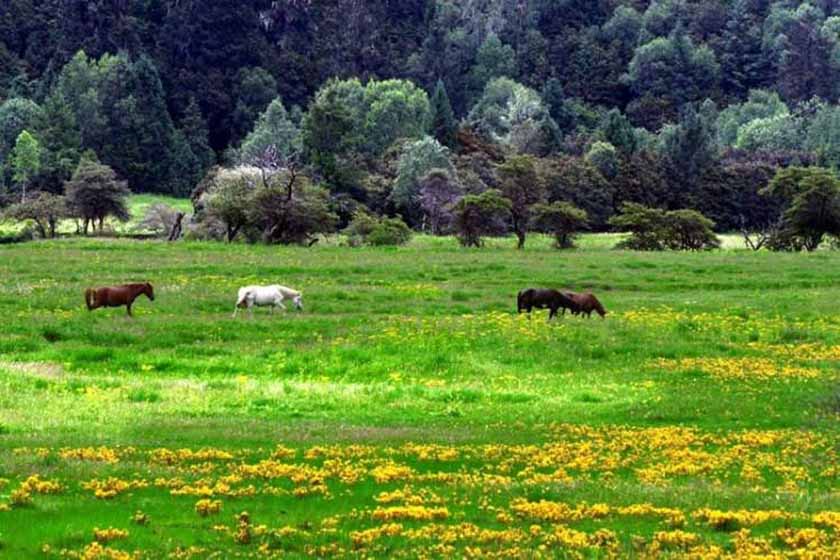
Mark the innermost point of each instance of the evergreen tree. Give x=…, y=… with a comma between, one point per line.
x=274, y=129
x=61, y=140
x=443, y=118
x=744, y=64
x=494, y=60
x=194, y=127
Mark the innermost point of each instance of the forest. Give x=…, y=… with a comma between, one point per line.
x=427, y=110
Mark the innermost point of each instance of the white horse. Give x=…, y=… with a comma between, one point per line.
x=262, y=296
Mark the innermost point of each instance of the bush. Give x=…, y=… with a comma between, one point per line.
x=653, y=229
x=366, y=229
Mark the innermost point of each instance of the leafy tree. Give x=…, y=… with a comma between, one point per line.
x=760, y=104
x=16, y=115
x=44, y=209
x=662, y=17
x=514, y=116
x=287, y=208
x=577, y=181
x=523, y=187
x=443, y=118
x=604, y=157
x=477, y=216
x=624, y=26
x=560, y=219
x=394, y=109
x=274, y=129
x=493, y=60
x=673, y=68
x=619, y=132
x=94, y=193
x=439, y=192
x=26, y=161
x=813, y=211
x=416, y=161
x=822, y=137
x=228, y=200
x=389, y=231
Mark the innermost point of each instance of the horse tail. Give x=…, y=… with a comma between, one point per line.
x=90, y=298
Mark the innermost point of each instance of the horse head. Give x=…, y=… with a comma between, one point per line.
x=149, y=291
x=299, y=302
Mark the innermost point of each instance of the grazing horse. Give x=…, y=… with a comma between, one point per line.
x=262, y=296
x=541, y=298
x=117, y=296
x=586, y=304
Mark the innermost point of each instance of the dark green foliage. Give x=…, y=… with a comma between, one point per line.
x=477, y=216
x=94, y=193
x=653, y=229
x=523, y=187
x=560, y=219
x=813, y=207
x=577, y=181
x=443, y=118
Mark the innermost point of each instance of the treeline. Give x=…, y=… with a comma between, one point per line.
x=409, y=108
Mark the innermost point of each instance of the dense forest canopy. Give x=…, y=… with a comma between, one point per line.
x=669, y=103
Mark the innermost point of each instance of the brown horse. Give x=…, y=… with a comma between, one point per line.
x=586, y=304
x=117, y=296
x=541, y=298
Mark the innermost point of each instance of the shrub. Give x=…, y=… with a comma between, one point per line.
x=653, y=229
x=369, y=230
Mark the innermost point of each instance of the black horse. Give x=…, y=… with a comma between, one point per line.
x=541, y=298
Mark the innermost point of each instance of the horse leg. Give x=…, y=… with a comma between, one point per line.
x=128, y=310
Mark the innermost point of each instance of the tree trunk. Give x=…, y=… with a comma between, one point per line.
x=175, y=232
x=85, y=226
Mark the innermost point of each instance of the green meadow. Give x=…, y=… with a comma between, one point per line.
x=408, y=411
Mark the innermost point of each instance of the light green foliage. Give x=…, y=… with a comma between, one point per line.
x=16, y=115
x=823, y=136
x=761, y=104
x=395, y=109
x=416, y=161
x=493, y=60
x=274, y=129
x=779, y=132
x=347, y=117
x=44, y=209
x=514, y=116
x=26, y=160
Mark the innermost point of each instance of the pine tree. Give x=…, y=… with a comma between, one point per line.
x=61, y=140
x=744, y=64
x=197, y=135
x=443, y=118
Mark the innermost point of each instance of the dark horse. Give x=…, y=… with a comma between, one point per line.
x=586, y=304
x=540, y=298
x=117, y=296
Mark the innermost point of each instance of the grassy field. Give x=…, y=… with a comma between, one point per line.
x=137, y=204
x=409, y=412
